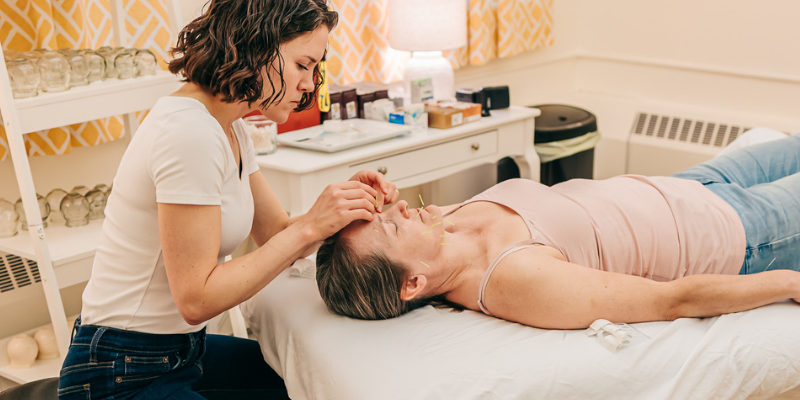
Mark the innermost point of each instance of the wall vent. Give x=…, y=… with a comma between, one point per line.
x=702, y=133
x=17, y=272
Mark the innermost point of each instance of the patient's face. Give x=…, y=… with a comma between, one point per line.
x=408, y=236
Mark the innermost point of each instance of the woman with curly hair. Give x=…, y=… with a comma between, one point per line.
x=187, y=192
x=720, y=237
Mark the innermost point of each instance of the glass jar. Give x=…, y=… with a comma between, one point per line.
x=80, y=189
x=108, y=55
x=102, y=186
x=124, y=65
x=97, y=203
x=44, y=210
x=54, y=200
x=79, y=67
x=9, y=54
x=34, y=55
x=75, y=209
x=55, y=71
x=8, y=219
x=24, y=77
x=145, y=62
x=96, y=64
x=263, y=132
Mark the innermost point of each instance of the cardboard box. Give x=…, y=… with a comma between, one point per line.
x=335, y=112
x=448, y=114
x=348, y=105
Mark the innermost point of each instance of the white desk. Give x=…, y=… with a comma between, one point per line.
x=298, y=176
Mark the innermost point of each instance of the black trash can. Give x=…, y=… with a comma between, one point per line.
x=564, y=138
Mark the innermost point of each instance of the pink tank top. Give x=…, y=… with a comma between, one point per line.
x=660, y=228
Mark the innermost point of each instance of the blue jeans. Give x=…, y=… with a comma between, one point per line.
x=762, y=183
x=109, y=363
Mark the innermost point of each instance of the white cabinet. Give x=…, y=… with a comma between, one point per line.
x=64, y=255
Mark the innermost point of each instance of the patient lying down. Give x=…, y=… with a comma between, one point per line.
x=626, y=249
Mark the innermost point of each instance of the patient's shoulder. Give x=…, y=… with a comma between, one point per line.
x=518, y=263
x=535, y=251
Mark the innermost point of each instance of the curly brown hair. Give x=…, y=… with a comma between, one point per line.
x=225, y=49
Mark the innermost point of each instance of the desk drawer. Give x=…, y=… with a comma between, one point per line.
x=425, y=159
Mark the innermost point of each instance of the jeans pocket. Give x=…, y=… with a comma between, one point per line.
x=76, y=392
x=139, y=371
x=76, y=379
x=146, y=365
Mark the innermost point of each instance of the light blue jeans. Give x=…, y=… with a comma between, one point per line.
x=762, y=183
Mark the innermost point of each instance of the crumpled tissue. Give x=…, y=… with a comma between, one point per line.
x=609, y=335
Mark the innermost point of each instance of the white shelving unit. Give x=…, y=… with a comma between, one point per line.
x=64, y=255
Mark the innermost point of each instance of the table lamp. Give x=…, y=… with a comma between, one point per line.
x=425, y=28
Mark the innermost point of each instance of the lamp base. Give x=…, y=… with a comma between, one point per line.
x=430, y=64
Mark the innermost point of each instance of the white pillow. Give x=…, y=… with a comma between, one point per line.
x=753, y=136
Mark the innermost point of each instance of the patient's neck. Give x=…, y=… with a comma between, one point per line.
x=480, y=232
x=465, y=257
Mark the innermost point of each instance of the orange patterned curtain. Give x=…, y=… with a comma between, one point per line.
x=54, y=24
x=359, y=46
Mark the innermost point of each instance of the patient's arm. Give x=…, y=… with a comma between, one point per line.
x=539, y=290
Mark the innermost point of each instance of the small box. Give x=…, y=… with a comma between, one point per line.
x=490, y=98
x=477, y=96
x=348, y=105
x=421, y=90
x=448, y=114
x=365, y=105
x=367, y=92
x=413, y=115
x=497, y=97
x=335, y=112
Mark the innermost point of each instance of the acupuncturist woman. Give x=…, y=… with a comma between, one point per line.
x=187, y=193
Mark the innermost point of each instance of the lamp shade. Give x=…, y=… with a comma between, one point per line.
x=427, y=25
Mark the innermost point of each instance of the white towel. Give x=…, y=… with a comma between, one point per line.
x=305, y=267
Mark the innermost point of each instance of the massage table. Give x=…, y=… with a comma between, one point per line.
x=433, y=353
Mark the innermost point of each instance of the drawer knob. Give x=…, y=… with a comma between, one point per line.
x=476, y=146
x=383, y=170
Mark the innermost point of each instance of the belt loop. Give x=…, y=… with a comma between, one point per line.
x=93, y=346
x=190, y=354
x=74, y=329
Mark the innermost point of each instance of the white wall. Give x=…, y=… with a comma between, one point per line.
x=748, y=36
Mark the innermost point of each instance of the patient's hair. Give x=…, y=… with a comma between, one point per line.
x=365, y=286
x=361, y=286
x=224, y=50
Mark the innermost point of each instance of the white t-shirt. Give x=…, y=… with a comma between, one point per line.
x=179, y=155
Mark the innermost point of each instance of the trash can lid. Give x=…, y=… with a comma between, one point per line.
x=562, y=122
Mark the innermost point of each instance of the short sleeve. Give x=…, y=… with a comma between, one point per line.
x=248, y=151
x=187, y=162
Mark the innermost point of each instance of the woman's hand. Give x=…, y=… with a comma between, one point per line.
x=386, y=191
x=338, y=205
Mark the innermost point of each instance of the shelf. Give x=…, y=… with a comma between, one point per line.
x=41, y=368
x=66, y=244
x=96, y=100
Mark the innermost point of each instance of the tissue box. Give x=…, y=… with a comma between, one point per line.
x=448, y=114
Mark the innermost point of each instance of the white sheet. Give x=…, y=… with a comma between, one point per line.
x=437, y=354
